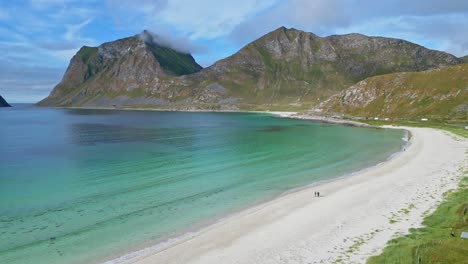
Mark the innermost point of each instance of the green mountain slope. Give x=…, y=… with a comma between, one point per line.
x=464, y=59
x=293, y=67
x=285, y=69
x=440, y=94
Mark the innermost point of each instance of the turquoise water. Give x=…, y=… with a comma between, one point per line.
x=82, y=186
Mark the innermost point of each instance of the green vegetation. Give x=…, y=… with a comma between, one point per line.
x=439, y=240
x=464, y=59
x=454, y=126
x=286, y=69
x=433, y=243
x=86, y=52
x=437, y=94
x=173, y=61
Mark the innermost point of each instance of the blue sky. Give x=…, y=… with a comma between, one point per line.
x=39, y=37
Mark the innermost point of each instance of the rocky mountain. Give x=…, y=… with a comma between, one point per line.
x=285, y=69
x=3, y=102
x=440, y=93
x=121, y=67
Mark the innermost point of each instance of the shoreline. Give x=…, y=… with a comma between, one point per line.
x=179, y=249
x=223, y=244
x=279, y=114
x=191, y=232
x=321, y=119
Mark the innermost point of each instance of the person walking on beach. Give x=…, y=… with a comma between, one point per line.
x=318, y=194
x=315, y=194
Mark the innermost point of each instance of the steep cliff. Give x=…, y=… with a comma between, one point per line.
x=129, y=66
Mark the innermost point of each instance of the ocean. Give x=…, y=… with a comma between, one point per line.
x=86, y=186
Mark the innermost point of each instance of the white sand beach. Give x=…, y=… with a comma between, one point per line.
x=352, y=220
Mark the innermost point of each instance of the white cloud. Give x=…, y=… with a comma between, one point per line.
x=434, y=23
x=310, y=15
x=202, y=19
x=49, y=32
x=72, y=30
x=165, y=39
x=209, y=19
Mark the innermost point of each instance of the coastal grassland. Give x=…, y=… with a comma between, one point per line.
x=433, y=243
x=438, y=241
x=464, y=59
x=456, y=127
x=173, y=61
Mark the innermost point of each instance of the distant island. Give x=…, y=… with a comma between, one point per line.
x=3, y=102
x=286, y=69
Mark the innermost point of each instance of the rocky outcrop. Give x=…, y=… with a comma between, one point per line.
x=286, y=68
x=440, y=93
x=3, y=102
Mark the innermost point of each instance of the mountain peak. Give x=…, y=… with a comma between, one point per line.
x=289, y=34
x=127, y=65
x=285, y=30
x=286, y=66
x=147, y=36
x=281, y=29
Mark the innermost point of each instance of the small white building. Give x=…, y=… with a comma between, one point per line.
x=376, y=118
x=424, y=119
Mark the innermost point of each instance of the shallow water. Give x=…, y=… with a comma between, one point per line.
x=78, y=186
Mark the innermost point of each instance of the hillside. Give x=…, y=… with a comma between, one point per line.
x=464, y=59
x=440, y=94
x=289, y=66
x=3, y=102
x=285, y=69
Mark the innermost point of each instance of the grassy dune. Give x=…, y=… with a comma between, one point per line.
x=454, y=126
x=439, y=240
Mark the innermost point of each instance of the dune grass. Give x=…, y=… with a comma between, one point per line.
x=457, y=127
x=439, y=240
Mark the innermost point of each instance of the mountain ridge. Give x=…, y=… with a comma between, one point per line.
x=285, y=68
